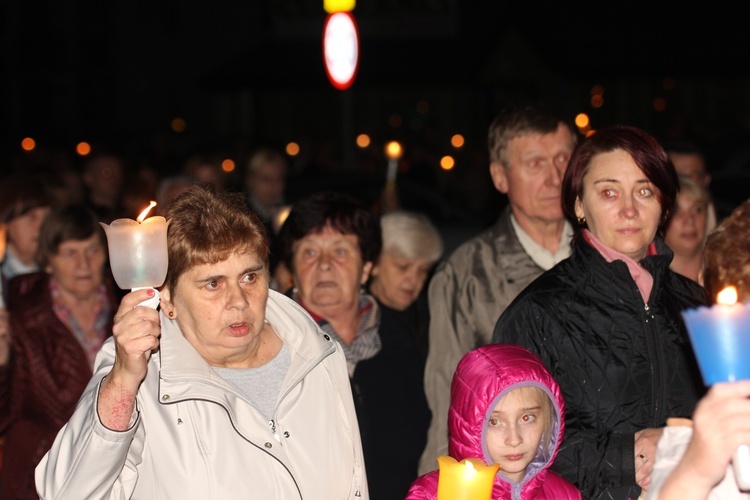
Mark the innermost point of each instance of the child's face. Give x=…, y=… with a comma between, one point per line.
x=514, y=431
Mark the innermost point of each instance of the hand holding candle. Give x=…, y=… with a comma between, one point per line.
x=721, y=340
x=138, y=252
x=469, y=479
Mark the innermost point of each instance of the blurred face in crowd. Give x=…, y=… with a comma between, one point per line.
x=687, y=229
x=620, y=204
x=328, y=270
x=77, y=266
x=267, y=183
x=691, y=165
x=23, y=233
x=396, y=282
x=533, y=175
x=104, y=177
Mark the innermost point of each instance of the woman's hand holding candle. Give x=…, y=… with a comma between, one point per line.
x=136, y=332
x=721, y=423
x=721, y=342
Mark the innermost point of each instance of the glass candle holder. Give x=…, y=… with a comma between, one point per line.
x=138, y=251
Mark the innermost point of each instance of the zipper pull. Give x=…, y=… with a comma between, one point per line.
x=272, y=425
x=647, y=310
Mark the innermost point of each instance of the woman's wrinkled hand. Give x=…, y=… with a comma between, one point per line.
x=136, y=331
x=646, y=441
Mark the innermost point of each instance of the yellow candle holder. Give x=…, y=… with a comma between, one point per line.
x=469, y=479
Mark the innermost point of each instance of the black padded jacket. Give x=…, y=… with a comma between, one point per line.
x=622, y=364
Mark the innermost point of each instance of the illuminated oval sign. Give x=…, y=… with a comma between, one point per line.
x=341, y=49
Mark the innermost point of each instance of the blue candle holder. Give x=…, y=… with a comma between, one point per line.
x=721, y=341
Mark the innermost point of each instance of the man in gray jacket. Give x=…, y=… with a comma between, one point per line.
x=529, y=149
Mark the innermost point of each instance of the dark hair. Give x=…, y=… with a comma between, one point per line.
x=70, y=223
x=263, y=156
x=342, y=212
x=20, y=194
x=726, y=258
x=683, y=147
x=518, y=120
x=646, y=153
x=205, y=229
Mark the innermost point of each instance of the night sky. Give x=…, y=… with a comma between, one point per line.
x=245, y=74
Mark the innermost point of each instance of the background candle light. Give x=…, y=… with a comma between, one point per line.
x=138, y=250
x=469, y=479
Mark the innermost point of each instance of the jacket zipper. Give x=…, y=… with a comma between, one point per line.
x=272, y=423
x=656, y=363
x=276, y=436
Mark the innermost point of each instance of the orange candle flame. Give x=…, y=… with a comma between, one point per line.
x=469, y=479
x=727, y=297
x=146, y=211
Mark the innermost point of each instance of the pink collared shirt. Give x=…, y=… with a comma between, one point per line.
x=642, y=278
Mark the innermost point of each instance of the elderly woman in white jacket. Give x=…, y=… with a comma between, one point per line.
x=230, y=391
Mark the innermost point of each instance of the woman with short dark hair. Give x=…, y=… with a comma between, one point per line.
x=59, y=319
x=330, y=243
x=606, y=321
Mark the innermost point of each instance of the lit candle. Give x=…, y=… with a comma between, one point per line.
x=721, y=338
x=138, y=251
x=721, y=341
x=469, y=479
x=393, y=151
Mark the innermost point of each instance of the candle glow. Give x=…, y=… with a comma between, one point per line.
x=138, y=250
x=720, y=339
x=469, y=479
x=146, y=211
x=727, y=297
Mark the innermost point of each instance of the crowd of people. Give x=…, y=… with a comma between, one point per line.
x=324, y=347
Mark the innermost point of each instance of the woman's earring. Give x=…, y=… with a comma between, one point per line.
x=581, y=220
x=171, y=314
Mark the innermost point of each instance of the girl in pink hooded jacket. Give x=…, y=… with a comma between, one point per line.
x=506, y=408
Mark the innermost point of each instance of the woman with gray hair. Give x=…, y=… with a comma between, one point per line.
x=411, y=247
